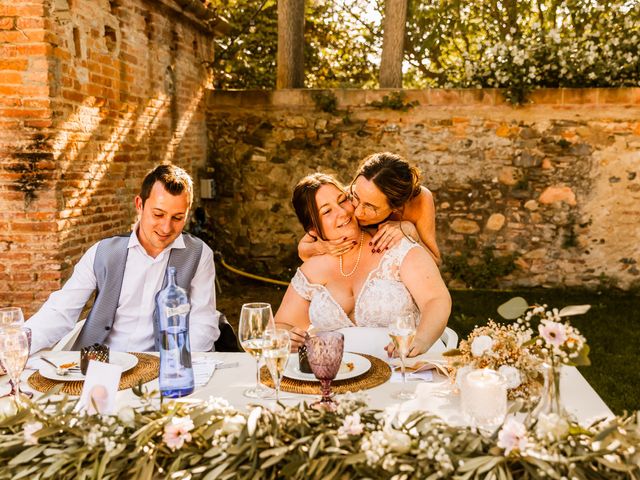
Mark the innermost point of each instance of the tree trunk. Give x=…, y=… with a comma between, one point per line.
x=290, y=60
x=395, y=18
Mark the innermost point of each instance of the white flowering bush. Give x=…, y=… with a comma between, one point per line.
x=211, y=440
x=519, y=46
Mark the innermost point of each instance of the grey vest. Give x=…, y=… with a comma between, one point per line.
x=109, y=265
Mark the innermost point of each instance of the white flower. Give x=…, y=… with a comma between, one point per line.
x=481, y=344
x=252, y=421
x=177, y=432
x=28, y=430
x=351, y=425
x=511, y=376
x=553, y=333
x=398, y=441
x=127, y=415
x=374, y=447
x=512, y=436
x=109, y=445
x=552, y=426
x=93, y=437
x=233, y=424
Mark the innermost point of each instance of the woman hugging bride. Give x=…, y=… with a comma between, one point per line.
x=359, y=286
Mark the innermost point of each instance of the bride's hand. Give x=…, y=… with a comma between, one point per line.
x=418, y=347
x=390, y=233
x=296, y=334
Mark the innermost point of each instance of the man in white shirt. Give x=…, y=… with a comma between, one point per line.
x=128, y=272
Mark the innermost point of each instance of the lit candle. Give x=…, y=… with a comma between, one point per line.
x=484, y=398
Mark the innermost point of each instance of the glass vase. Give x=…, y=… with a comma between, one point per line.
x=549, y=402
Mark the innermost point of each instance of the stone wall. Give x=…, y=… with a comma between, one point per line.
x=541, y=195
x=92, y=94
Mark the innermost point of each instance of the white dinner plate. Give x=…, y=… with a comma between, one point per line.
x=360, y=366
x=125, y=360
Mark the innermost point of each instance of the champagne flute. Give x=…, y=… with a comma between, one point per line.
x=255, y=318
x=14, y=351
x=402, y=331
x=324, y=352
x=12, y=317
x=275, y=351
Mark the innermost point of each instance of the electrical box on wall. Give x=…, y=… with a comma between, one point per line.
x=207, y=188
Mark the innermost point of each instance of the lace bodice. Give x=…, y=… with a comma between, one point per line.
x=382, y=296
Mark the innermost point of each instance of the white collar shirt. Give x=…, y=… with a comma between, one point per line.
x=132, y=329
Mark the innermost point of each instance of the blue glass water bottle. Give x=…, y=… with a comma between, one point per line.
x=176, y=372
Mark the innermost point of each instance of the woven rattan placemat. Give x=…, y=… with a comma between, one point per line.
x=145, y=370
x=376, y=375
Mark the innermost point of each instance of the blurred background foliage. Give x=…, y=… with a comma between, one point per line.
x=512, y=44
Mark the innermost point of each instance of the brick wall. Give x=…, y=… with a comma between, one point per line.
x=541, y=195
x=92, y=95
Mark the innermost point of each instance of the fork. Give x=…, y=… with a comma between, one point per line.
x=58, y=368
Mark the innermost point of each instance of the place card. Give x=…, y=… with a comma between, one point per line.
x=100, y=388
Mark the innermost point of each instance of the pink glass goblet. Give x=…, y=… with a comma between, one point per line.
x=324, y=352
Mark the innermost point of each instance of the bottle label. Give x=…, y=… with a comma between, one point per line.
x=179, y=310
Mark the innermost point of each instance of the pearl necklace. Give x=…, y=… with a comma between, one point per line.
x=357, y=260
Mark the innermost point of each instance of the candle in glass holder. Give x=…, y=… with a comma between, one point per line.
x=483, y=396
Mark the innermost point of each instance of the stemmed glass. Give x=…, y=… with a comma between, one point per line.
x=12, y=317
x=277, y=344
x=324, y=352
x=255, y=318
x=402, y=331
x=14, y=351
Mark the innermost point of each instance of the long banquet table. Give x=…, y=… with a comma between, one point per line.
x=578, y=397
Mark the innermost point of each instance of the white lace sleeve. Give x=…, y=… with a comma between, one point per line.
x=302, y=286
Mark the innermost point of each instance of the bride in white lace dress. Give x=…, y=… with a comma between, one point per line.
x=359, y=288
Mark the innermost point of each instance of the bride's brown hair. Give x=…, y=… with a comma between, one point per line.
x=393, y=175
x=304, y=200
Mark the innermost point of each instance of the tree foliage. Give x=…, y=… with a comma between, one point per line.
x=512, y=44
x=338, y=45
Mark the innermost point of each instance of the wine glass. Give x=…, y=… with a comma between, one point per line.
x=402, y=331
x=275, y=351
x=255, y=318
x=11, y=316
x=14, y=351
x=324, y=352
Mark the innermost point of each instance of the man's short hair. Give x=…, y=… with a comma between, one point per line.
x=175, y=180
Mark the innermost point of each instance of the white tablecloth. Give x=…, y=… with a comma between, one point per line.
x=578, y=397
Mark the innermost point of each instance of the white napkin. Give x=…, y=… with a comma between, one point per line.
x=203, y=369
x=425, y=375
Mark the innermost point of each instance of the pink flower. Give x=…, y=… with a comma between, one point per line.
x=512, y=436
x=553, y=333
x=177, y=432
x=29, y=430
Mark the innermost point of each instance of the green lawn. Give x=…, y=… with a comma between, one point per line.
x=612, y=327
